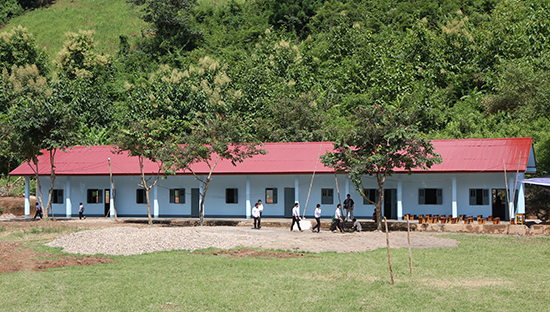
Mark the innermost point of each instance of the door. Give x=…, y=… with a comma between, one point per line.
x=107, y=202
x=289, y=201
x=499, y=203
x=195, y=202
x=390, y=204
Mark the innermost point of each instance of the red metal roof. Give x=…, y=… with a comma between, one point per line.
x=460, y=155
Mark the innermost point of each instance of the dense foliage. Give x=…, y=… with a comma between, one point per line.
x=298, y=70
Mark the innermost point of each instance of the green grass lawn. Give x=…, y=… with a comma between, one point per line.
x=482, y=274
x=109, y=19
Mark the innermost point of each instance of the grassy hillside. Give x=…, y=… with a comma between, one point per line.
x=108, y=18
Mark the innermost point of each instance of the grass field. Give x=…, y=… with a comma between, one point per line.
x=482, y=274
x=108, y=18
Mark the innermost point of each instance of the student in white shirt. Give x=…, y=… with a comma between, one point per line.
x=356, y=226
x=296, y=217
x=317, y=218
x=336, y=219
x=257, y=216
x=261, y=207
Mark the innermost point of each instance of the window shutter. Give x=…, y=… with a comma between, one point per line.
x=439, y=196
x=274, y=195
x=172, y=196
x=182, y=196
x=486, y=197
x=472, y=197
x=421, y=197
x=99, y=196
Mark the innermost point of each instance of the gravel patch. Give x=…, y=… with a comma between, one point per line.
x=129, y=240
x=133, y=241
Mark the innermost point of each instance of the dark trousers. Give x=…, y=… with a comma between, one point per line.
x=38, y=213
x=295, y=220
x=80, y=215
x=259, y=221
x=318, y=225
x=336, y=224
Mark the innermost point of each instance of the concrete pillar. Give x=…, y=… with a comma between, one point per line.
x=399, y=200
x=68, y=204
x=521, y=194
x=248, y=205
x=455, y=199
x=346, y=187
x=27, y=197
x=511, y=191
x=112, y=201
x=155, y=202
x=297, y=189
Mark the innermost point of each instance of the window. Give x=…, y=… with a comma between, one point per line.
x=270, y=195
x=430, y=196
x=177, y=196
x=371, y=194
x=57, y=197
x=479, y=197
x=231, y=196
x=327, y=196
x=95, y=197
x=140, y=196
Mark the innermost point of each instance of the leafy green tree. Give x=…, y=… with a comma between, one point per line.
x=172, y=24
x=383, y=140
x=8, y=10
x=211, y=140
x=146, y=140
x=38, y=125
x=18, y=47
x=78, y=59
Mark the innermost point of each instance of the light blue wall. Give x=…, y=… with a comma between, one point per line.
x=215, y=205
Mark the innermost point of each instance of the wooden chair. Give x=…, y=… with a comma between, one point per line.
x=455, y=220
x=496, y=220
x=479, y=217
x=520, y=218
x=482, y=221
x=490, y=218
x=462, y=217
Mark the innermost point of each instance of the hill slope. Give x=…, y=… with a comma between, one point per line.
x=108, y=18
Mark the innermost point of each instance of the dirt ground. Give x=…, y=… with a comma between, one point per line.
x=14, y=256
x=13, y=205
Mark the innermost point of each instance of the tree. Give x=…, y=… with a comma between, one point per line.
x=37, y=125
x=172, y=24
x=146, y=139
x=383, y=140
x=211, y=140
x=77, y=58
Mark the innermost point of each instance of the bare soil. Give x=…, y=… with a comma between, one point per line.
x=14, y=258
x=14, y=205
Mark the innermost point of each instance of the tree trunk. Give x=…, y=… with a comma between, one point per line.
x=203, y=196
x=52, y=180
x=146, y=188
x=38, y=185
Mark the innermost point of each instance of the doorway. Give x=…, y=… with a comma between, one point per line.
x=107, y=207
x=499, y=203
x=390, y=204
x=289, y=201
x=195, y=202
